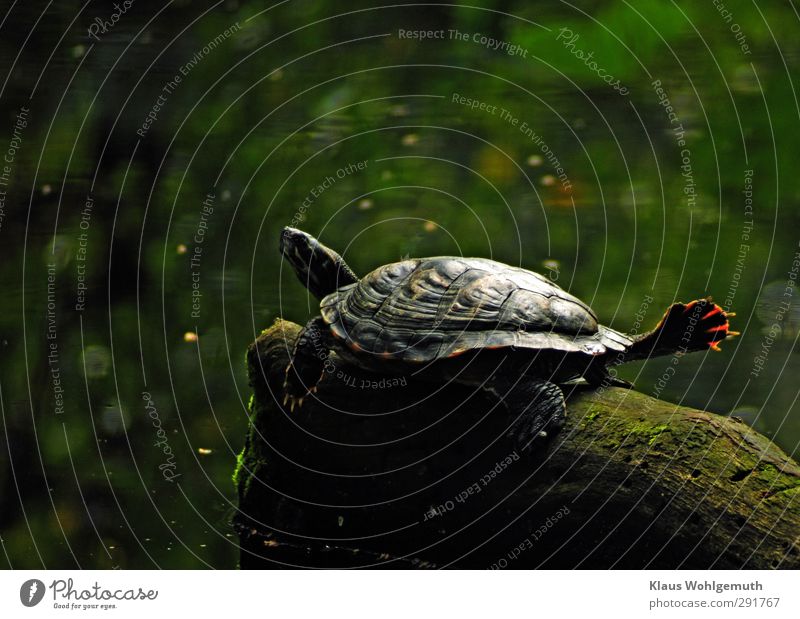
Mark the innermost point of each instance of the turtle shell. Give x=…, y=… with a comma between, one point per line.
x=425, y=309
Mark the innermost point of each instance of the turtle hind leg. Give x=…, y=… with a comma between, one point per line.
x=307, y=364
x=685, y=327
x=537, y=408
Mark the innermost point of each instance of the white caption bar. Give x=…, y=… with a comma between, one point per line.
x=388, y=594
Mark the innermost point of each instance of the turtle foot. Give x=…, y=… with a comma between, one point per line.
x=538, y=409
x=698, y=325
x=291, y=401
x=306, y=367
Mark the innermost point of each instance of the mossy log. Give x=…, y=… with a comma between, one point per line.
x=367, y=474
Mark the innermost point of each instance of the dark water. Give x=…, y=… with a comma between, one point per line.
x=156, y=156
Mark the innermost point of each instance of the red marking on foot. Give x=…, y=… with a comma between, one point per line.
x=717, y=309
x=719, y=328
x=689, y=306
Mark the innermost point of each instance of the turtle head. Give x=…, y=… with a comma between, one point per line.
x=319, y=268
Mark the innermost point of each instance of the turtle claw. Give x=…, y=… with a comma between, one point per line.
x=292, y=402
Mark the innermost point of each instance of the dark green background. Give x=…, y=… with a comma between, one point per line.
x=296, y=93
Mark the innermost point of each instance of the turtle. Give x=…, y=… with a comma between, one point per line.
x=508, y=331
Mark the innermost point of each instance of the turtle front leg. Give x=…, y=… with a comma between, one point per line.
x=537, y=407
x=307, y=364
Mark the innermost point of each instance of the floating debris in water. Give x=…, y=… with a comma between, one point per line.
x=399, y=110
x=204, y=451
x=410, y=139
x=190, y=336
x=181, y=249
x=113, y=421
x=534, y=161
x=365, y=204
x=553, y=268
x=96, y=360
